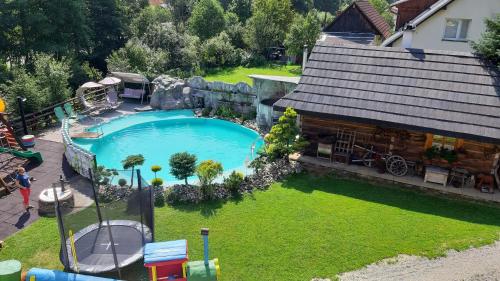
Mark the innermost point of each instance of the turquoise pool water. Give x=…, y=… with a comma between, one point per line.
x=158, y=135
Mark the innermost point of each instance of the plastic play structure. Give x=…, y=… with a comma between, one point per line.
x=10, y=144
x=23, y=154
x=170, y=261
x=106, y=236
x=39, y=274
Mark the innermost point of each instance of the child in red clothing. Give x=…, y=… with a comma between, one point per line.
x=24, y=184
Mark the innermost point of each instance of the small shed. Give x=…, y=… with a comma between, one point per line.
x=359, y=23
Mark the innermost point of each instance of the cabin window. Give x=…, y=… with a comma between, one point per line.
x=444, y=142
x=456, y=29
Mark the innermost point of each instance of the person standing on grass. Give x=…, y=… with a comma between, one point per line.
x=24, y=183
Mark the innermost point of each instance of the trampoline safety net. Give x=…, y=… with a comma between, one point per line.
x=108, y=231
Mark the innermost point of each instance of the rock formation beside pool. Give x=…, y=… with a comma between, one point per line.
x=170, y=93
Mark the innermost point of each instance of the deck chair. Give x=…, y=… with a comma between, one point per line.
x=112, y=100
x=91, y=108
x=69, y=110
x=59, y=113
x=72, y=113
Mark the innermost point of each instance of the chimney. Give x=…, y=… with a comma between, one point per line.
x=304, y=58
x=408, y=36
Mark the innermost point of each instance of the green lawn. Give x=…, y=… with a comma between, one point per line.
x=301, y=228
x=240, y=74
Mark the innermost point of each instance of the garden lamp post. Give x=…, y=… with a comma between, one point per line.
x=20, y=103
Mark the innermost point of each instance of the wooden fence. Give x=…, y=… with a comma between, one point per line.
x=45, y=117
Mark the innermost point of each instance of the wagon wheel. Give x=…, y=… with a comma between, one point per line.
x=396, y=165
x=368, y=159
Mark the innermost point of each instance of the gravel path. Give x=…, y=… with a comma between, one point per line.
x=479, y=264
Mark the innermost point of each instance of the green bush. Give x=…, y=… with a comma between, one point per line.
x=122, y=182
x=157, y=182
x=207, y=172
x=225, y=111
x=219, y=52
x=47, y=83
x=206, y=111
x=159, y=193
x=284, y=137
x=182, y=165
x=233, y=182
x=138, y=57
x=155, y=169
x=252, y=115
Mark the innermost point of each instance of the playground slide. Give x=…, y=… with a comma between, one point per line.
x=23, y=154
x=38, y=274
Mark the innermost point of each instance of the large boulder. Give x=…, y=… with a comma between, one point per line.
x=169, y=93
x=197, y=82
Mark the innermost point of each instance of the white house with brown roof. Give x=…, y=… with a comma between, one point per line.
x=444, y=25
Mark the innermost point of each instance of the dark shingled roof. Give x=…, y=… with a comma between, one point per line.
x=375, y=18
x=448, y=93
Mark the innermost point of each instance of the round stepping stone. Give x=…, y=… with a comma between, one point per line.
x=10, y=270
x=46, y=200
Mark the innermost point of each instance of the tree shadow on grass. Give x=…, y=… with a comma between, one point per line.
x=210, y=208
x=396, y=196
x=206, y=209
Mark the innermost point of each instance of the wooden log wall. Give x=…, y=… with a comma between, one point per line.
x=475, y=157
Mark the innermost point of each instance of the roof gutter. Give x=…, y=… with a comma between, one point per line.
x=417, y=20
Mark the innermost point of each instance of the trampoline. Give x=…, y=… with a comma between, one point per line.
x=109, y=234
x=93, y=246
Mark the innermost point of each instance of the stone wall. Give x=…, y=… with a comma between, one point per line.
x=240, y=97
x=195, y=92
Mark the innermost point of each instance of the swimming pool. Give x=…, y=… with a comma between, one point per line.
x=159, y=134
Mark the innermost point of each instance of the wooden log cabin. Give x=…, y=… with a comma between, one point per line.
x=411, y=102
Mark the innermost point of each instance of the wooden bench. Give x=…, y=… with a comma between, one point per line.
x=436, y=175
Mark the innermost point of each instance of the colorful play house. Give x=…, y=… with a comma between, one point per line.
x=166, y=260
x=169, y=261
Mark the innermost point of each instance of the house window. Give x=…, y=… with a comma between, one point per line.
x=456, y=29
x=444, y=142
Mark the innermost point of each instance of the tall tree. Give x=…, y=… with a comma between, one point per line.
x=268, y=25
x=242, y=8
x=51, y=27
x=7, y=24
x=207, y=19
x=303, y=31
x=181, y=10
x=489, y=44
x=148, y=18
x=330, y=6
x=107, y=24
x=302, y=6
